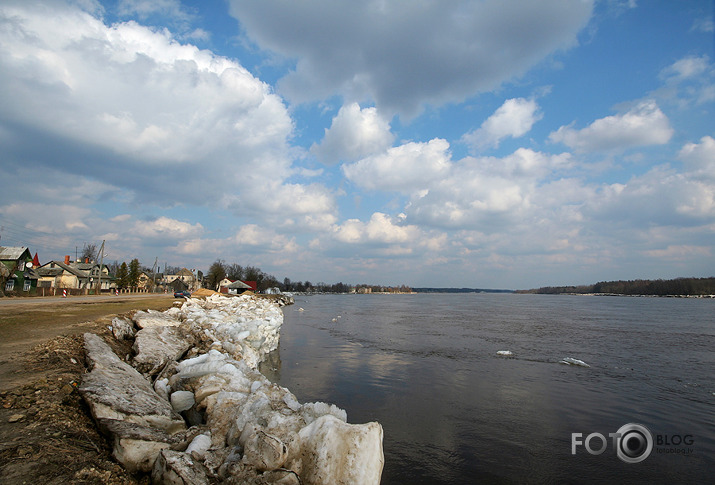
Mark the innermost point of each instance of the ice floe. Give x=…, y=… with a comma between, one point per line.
x=572, y=361
x=210, y=416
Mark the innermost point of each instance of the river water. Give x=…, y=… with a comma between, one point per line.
x=454, y=411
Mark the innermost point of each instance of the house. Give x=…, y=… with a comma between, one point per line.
x=235, y=288
x=186, y=276
x=74, y=275
x=148, y=280
x=18, y=274
x=223, y=284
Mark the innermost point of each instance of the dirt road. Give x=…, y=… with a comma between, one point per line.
x=26, y=322
x=46, y=433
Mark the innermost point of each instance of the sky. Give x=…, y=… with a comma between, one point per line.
x=444, y=143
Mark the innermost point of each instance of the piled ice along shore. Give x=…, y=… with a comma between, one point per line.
x=192, y=407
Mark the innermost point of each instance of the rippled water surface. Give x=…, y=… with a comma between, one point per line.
x=453, y=411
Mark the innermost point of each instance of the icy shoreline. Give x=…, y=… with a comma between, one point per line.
x=193, y=408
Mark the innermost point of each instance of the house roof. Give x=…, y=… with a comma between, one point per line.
x=239, y=284
x=12, y=253
x=47, y=270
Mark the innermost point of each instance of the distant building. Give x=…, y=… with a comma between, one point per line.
x=74, y=275
x=186, y=276
x=236, y=288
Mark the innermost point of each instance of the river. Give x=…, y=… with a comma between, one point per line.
x=455, y=411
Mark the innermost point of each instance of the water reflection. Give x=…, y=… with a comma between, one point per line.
x=455, y=412
x=271, y=366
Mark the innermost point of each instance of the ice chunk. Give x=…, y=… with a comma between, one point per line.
x=182, y=400
x=200, y=445
x=572, y=361
x=329, y=451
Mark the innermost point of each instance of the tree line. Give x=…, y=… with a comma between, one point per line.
x=659, y=287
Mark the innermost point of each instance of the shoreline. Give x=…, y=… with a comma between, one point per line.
x=193, y=403
x=47, y=434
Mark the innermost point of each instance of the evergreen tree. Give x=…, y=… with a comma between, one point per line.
x=133, y=273
x=122, y=276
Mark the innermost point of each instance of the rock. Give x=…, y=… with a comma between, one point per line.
x=15, y=418
x=330, y=452
x=122, y=328
x=153, y=318
x=176, y=468
x=156, y=346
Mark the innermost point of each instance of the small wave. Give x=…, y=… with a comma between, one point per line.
x=571, y=361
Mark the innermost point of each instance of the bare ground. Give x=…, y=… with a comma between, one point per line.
x=46, y=432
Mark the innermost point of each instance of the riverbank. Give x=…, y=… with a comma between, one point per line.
x=218, y=380
x=46, y=434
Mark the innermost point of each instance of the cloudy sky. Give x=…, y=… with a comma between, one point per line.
x=492, y=143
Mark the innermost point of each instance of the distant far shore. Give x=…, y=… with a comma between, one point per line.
x=673, y=288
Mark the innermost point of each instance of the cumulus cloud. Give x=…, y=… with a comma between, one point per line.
x=693, y=77
x=462, y=194
x=513, y=119
x=135, y=108
x=645, y=124
x=257, y=236
x=381, y=229
x=403, y=55
x=166, y=229
x=699, y=158
x=354, y=133
x=405, y=168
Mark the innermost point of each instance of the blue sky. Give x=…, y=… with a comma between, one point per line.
x=484, y=144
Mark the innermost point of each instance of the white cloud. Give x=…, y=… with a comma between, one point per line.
x=267, y=239
x=387, y=236
x=403, y=55
x=134, y=108
x=166, y=229
x=686, y=68
x=680, y=252
x=644, y=124
x=699, y=158
x=144, y=9
x=692, y=78
x=513, y=119
x=659, y=197
x=407, y=168
x=354, y=133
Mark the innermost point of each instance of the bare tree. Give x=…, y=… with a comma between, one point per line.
x=89, y=251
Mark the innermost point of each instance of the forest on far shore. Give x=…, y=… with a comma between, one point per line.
x=674, y=287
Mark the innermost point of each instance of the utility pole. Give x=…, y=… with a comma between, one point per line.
x=101, y=262
x=153, y=274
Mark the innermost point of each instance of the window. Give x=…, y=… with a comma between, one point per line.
x=9, y=285
x=21, y=266
x=26, y=286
